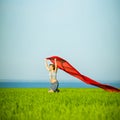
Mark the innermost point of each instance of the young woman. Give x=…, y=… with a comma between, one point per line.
x=52, y=68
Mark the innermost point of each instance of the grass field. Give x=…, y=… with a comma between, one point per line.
x=69, y=104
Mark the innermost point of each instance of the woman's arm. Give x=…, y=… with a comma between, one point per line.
x=46, y=64
x=55, y=65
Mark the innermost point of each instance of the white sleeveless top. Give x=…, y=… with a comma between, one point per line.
x=52, y=75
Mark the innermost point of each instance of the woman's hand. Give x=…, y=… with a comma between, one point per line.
x=45, y=59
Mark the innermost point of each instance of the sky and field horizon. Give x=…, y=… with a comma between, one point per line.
x=84, y=32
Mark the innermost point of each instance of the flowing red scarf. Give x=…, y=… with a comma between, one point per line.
x=67, y=67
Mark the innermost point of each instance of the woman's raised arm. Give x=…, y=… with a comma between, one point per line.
x=55, y=65
x=46, y=64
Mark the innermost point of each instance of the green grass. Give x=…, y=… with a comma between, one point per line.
x=69, y=104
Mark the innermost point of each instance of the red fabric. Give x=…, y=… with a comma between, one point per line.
x=67, y=67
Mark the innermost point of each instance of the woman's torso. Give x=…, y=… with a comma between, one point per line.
x=53, y=76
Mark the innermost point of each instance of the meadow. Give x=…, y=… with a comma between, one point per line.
x=68, y=104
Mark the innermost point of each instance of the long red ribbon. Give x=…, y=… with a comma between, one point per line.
x=67, y=67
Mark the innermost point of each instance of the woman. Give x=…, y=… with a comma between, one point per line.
x=52, y=68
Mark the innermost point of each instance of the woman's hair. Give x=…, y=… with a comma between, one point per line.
x=52, y=66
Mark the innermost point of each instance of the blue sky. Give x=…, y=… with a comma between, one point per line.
x=84, y=32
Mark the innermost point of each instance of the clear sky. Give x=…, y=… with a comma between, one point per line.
x=84, y=32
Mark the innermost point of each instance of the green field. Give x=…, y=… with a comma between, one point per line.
x=69, y=104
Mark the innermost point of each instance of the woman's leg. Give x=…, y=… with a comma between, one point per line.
x=54, y=87
x=57, y=90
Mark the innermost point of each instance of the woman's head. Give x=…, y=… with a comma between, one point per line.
x=51, y=67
